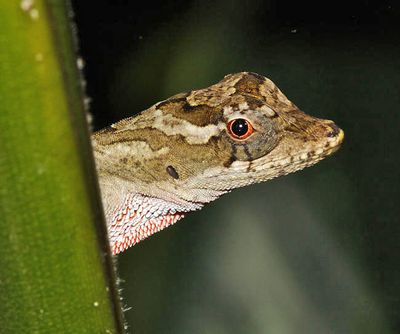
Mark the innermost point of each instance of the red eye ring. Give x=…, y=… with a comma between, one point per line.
x=240, y=128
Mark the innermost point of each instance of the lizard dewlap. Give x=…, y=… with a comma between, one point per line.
x=190, y=149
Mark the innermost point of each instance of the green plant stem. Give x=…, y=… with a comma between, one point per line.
x=56, y=274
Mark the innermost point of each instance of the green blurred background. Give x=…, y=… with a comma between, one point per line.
x=313, y=252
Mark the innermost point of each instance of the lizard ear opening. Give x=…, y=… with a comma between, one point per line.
x=240, y=128
x=172, y=172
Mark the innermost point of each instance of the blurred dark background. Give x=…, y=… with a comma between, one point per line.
x=313, y=252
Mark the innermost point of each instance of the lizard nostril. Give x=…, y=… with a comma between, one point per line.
x=334, y=132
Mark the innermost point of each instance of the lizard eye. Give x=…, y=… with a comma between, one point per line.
x=240, y=128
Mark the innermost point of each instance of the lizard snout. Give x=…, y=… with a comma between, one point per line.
x=335, y=135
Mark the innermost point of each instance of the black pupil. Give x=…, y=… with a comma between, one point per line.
x=239, y=127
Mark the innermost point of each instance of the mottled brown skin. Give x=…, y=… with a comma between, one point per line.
x=180, y=150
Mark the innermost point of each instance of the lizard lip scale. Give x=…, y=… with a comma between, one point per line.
x=192, y=148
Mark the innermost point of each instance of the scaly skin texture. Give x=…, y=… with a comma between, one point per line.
x=183, y=152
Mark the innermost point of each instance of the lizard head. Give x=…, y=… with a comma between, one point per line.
x=193, y=147
x=264, y=133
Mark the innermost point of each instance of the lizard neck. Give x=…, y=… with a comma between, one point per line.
x=136, y=207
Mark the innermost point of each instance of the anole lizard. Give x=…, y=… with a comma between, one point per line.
x=190, y=149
